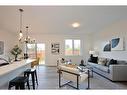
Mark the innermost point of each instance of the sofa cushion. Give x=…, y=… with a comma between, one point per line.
x=121, y=62
x=92, y=64
x=100, y=67
x=103, y=68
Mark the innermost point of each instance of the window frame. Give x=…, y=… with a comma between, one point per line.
x=73, y=47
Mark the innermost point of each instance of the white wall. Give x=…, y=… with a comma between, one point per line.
x=117, y=29
x=9, y=40
x=48, y=39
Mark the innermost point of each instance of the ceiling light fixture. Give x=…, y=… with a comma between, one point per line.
x=75, y=25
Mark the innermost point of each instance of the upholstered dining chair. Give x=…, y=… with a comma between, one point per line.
x=73, y=74
x=35, y=63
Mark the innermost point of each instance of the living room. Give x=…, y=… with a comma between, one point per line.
x=53, y=26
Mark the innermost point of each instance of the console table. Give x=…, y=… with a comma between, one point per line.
x=8, y=72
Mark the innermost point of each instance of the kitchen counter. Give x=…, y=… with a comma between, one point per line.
x=8, y=72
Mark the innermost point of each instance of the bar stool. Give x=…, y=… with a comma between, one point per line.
x=33, y=74
x=19, y=82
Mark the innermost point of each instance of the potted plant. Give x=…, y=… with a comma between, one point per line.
x=16, y=51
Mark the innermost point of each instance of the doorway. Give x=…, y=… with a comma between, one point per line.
x=41, y=53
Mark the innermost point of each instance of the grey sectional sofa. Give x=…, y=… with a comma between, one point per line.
x=115, y=72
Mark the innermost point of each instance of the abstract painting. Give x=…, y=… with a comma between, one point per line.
x=117, y=44
x=107, y=47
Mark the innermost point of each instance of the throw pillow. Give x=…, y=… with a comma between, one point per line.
x=115, y=62
x=102, y=61
x=89, y=60
x=111, y=62
x=94, y=59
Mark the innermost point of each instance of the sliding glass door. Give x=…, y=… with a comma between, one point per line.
x=41, y=53
x=37, y=51
x=32, y=50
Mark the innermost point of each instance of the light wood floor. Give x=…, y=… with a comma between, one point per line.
x=48, y=79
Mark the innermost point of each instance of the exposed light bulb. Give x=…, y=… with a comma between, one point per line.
x=28, y=37
x=20, y=34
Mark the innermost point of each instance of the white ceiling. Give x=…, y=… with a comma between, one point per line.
x=58, y=19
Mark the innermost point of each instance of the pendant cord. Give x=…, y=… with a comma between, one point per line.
x=21, y=10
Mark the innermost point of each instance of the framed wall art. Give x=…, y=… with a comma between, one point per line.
x=55, y=48
x=117, y=44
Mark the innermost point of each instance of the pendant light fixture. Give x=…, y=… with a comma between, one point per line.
x=20, y=33
x=27, y=38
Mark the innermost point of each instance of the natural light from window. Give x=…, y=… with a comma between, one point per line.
x=72, y=47
x=76, y=47
x=68, y=47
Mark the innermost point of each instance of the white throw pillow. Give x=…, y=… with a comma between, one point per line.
x=102, y=61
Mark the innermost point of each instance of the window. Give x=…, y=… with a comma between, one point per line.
x=72, y=47
x=68, y=47
x=76, y=47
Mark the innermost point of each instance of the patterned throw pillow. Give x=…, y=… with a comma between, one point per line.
x=111, y=62
x=102, y=61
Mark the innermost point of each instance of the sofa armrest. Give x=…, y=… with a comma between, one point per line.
x=118, y=72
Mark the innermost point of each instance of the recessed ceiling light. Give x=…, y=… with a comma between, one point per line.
x=75, y=24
